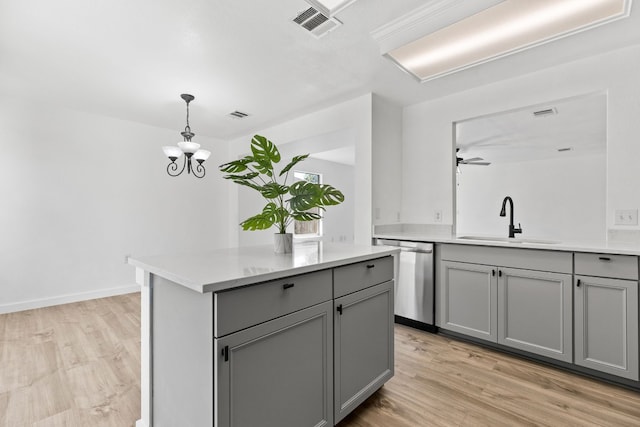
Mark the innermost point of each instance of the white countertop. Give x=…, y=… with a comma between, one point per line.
x=223, y=269
x=605, y=247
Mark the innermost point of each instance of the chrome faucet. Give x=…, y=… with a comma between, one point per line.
x=512, y=229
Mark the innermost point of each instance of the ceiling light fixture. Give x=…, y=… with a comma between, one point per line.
x=330, y=7
x=191, y=150
x=500, y=30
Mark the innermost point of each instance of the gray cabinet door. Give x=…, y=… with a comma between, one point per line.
x=363, y=337
x=468, y=298
x=606, y=325
x=534, y=312
x=279, y=373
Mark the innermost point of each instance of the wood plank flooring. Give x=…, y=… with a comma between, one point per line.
x=71, y=365
x=441, y=381
x=79, y=365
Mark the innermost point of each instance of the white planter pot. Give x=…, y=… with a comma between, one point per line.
x=283, y=243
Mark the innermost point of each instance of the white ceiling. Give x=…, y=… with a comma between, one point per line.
x=580, y=124
x=132, y=59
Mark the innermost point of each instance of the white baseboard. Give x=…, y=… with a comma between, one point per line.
x=68, y=298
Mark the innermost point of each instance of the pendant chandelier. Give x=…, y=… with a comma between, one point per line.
x=191, y=150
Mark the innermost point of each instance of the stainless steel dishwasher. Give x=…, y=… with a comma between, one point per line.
x=414, y=283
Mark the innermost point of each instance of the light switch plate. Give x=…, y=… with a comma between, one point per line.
x=626, y=217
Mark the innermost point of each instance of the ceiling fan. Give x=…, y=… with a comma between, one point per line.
x=472, y=161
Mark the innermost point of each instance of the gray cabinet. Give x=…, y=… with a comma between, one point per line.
x=514, y=297
x=534, y=312
x=288, y=354
x=278, y=373
x=363, y=340
x=606, y=325
x=468, y=299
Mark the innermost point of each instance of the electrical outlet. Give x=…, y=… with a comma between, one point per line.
x=626, y=217
x=437, y=215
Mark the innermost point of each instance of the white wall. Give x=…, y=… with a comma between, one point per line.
x=551, y=198
x=351, y=119
x=386, y=161
x=427, y=139
x=81, y=191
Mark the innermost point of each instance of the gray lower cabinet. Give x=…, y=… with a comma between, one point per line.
x=534, y=312
x=278, y=373
x=468, y=299
x=606, y=325
x=363, y=337
x=524, y=309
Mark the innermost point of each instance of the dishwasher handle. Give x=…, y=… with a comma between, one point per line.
x=416, y=250
x=408, y=246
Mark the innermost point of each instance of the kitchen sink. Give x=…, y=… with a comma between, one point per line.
x=509, y=240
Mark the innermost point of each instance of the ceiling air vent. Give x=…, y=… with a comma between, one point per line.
x=315, y=22
x=546, y=112
x=238, y=115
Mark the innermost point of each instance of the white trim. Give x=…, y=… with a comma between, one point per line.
x=66, y=299
x=143, y=278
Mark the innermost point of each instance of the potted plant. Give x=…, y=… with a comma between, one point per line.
x=285, y=203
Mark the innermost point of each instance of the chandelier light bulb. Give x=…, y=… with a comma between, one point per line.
x=172, y=152
x=188, y=147
x=201, y=155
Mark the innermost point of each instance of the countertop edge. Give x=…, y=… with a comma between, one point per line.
x=223, y=285
x=587, y=247
x=275, y=275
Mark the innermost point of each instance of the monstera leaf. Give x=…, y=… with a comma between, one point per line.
x=305, y=216
x=246, y=177
x=271, y=190
x=263, y=220
x=292, y=163
x=329, y=196
x=263, y=149
x=305, y=196
x=236, y=166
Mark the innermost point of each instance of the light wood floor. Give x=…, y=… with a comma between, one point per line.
x=71, y=365
x=78, y=365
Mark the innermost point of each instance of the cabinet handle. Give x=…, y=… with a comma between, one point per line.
x=578, y=283
x=493, y=272
x=339, y=309
x=499, y=273
x=604, y=258
x=225, y=353
x=288, y=285
x=371, y=265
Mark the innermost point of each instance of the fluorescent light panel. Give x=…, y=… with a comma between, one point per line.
x=506, y=28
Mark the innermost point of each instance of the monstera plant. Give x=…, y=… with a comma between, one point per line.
x=285, y=203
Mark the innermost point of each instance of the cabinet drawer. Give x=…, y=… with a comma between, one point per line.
x=244, y=307
x=606, y=265
x=361, y=275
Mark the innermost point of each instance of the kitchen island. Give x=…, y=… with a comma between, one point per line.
x=245, y=337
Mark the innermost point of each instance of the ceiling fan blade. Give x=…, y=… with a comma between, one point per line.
x=480, y=163
x=473, y=159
